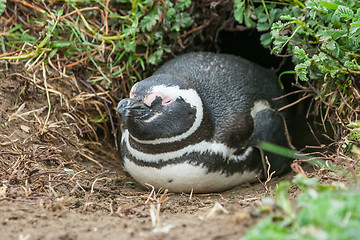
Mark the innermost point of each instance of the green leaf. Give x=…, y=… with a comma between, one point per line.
x=2, y=6
x=282, y=151
x=302, y=70
x=182, y=4
x=333, y=72
x=262, y=18
x=266, y=40
x=282, y=196
x=344, y=12
x=351, y=65
x=278, y=44
x=329, y=5
x=304, y=183
x=288, y=18
x=274, y=14
x=354, y=28
x=324, y=35
x=175, y=27
x=239, y=10
x=60, y=44
x=331, y=45
x=261, y=27
x=148, y=22
x=247, y=18
x=170, y=13
x=156, y=57
x=129, y=45
x=185, y=20
x=300, y=53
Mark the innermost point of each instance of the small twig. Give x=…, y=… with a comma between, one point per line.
x=313, y=133
x=103, y=173
x=91, y=159
x=246, y=201
x=347, y=104
x=309, y=108
x=79, y=11
x=293, y=103
x=191, y=193
x=193, y=30
x=290, y=93
x=48, y=98
x=93, y=184
x=106, y=17
x=72, y=178
x=82, y=59
x=217, y=207
x=31, y=6
x=269, y=175
x=297, y=168
x=111, y=207
x=151, y=193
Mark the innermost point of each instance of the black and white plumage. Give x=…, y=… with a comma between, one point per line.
x=195, y=123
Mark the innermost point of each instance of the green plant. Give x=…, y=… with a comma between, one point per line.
x=354, y=130
x=114, y=42
x=292, y=154
x=106, y=43
x=2, y=6
x=322, y=37
x=353, y=138
x=320, y=212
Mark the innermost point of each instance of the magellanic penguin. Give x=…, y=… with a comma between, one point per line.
x=195, y=124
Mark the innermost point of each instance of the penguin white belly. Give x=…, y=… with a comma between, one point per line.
x=184, y=177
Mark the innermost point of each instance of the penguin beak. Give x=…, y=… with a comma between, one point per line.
x=132, y=107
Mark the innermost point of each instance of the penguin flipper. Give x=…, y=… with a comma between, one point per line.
x=270, y=126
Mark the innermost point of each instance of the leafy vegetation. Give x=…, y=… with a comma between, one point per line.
x=2, y=6
x=104, y=46
x=116, y=39
x=323, y=38
x=320, y=212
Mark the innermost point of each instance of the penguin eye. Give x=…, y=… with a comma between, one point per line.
x=154, y=98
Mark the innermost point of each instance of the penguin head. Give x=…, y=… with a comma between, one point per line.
x=161, y=108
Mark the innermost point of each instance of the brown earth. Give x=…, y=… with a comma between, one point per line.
x=56, y=184
x=126, y=214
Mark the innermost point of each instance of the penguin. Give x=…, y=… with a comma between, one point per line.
x=195, y=124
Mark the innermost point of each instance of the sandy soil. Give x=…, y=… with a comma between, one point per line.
x=56, y=184
x=128, y=216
